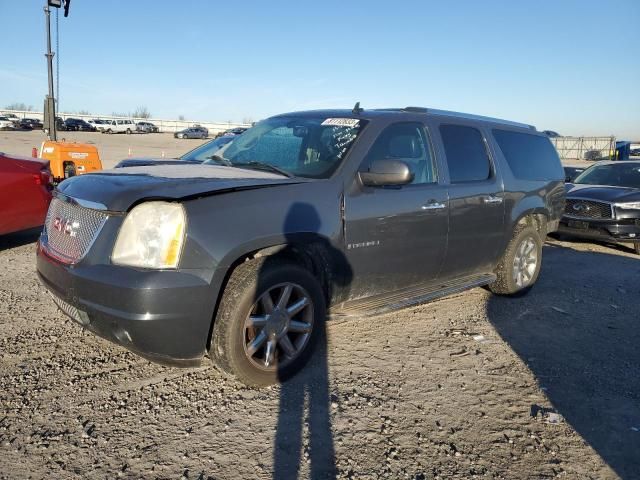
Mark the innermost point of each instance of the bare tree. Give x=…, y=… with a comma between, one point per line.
x=84, y=112
x=19, y=106
x=142, y=112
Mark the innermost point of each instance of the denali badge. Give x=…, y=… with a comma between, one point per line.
x=68, y=227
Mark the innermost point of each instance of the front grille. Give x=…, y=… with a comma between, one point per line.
x=69, y=230
x=578, y=208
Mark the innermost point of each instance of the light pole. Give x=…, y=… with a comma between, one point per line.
x=50, y=103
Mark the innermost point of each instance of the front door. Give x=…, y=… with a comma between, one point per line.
x=476, y=201
x=397, y=236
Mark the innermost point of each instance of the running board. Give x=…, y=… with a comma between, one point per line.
x=388, y=302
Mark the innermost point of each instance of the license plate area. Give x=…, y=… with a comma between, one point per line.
x=578, y=224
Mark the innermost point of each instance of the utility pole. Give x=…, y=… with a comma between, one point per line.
x=50, y=102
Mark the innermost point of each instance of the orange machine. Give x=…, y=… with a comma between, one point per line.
x=68, y=159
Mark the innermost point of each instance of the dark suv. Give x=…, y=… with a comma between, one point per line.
x=76, y=124
x=305, y=215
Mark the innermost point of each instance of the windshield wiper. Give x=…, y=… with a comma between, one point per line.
x=262, y=166
x=220, y=160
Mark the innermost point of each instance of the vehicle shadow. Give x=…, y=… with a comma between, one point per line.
x=18, y=239
x=303, y=433
x=582, y=342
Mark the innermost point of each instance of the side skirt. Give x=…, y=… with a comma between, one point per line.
x=406, y=297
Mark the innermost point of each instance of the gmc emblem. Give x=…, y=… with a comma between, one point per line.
x=68, y=227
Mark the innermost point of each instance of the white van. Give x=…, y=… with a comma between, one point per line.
x=117, y=126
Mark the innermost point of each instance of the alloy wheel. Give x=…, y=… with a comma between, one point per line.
x=279, y=326
x=525, y=262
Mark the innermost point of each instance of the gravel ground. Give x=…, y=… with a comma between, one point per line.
x=472, y=386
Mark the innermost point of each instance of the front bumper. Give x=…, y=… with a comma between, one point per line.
x=164, y=316
x=614, y=231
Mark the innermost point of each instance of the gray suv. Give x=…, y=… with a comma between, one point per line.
x=305, y=216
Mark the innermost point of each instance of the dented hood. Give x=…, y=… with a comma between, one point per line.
x=120, y=188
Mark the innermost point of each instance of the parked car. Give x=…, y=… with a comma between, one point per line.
x=25, y=192
x=232, y=131
x=603, y=203
x=77, y=124
x=60, y=125
x=6, y=123
x=192, y=132
x=96, y=122
x=118, y=126
x=147, y=127
x=31, y=123
x=198, y=155
x=570, y=173
x=358, y=211
x=11, y=117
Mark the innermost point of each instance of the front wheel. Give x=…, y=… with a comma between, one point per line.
x=519, y=267
x=269, y=320
x=128, y=131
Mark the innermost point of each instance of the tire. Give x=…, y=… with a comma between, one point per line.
x=636, y=247
x=513, y=280
x=69, y=171
x=128, y=132
x=109, y=131
x=242, y=299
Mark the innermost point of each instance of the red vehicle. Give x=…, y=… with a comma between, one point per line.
x=25, y=192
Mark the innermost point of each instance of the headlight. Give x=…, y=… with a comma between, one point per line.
x=629, y=205
x=151, y=236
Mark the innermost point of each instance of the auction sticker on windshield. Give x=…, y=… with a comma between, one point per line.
x=342, y=122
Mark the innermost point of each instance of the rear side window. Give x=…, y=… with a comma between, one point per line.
x=530, y=157
x=466, y=153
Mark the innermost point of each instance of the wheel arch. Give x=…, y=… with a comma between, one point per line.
x=312, y=251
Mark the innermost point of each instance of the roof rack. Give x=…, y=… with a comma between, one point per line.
x=468, y=116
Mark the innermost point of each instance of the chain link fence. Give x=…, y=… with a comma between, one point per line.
x=585, y=148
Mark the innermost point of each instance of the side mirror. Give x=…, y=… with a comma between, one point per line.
x=386, y=172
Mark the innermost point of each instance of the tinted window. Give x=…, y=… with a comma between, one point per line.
x=408, y=143
x=618, y=174
x=530, y=157
x=466, y=153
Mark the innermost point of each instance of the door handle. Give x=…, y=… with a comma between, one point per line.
x=433, y=205
x=491, y=199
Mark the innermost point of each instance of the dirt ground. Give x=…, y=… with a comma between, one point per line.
x=112, y=148
x=472, y=386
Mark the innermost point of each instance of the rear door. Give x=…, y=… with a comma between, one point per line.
x=476, y=199
x=396, y=236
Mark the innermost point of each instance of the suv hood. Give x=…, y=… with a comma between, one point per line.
x=120, y=188
x=603, y=192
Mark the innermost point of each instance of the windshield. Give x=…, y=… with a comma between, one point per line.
x=311, y=147
x=206, y=150
x=620, y=175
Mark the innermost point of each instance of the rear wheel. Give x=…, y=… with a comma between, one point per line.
x=268, y=322
x=519, y=267
x=128, y=131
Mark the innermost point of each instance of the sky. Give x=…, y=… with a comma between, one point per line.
x=565, y=65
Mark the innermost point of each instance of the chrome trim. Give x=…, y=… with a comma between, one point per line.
x=611, y=205
x=79, y=201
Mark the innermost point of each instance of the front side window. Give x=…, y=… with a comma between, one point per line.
x=408, y=143
x=466, y=153
x=303, y=146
